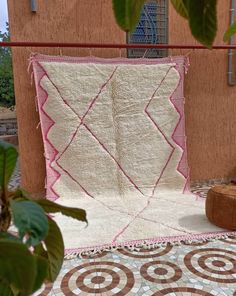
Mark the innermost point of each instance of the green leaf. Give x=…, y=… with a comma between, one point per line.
x=231, y=31
x=7, y=235
x=180, y=8
x=42, y=272
x=52, y=207
x=202, y=20
x=127, y=13
x=55, y=250
x=30, y=220
x=5, y=289
x=17, y=266
x=8, y=158
x=40, y=251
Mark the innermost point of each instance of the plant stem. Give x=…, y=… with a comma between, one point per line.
x=5, y=218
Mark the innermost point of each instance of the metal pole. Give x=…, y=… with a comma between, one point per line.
x=231, y=81
x=33, y=6
x=108, y=45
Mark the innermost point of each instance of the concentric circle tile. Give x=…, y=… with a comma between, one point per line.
x=230, y=240
x=195, y=244
x=107, y=277
x=162, y=272
x=213, y=264
x=182, y=291
x=95, y=256
x=45, y=290
x=146, y=253
x=201, y=190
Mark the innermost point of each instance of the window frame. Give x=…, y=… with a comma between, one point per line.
x=164, y=27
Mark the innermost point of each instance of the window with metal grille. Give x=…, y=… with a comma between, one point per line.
x=151, y=29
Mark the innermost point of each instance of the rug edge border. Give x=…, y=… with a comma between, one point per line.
x=149, y=243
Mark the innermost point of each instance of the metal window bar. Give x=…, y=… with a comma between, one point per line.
x=151, y=29
x=109, y=45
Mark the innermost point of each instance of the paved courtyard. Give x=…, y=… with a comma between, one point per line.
x=206, y=268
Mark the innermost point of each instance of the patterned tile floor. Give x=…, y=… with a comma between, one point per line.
x=201, y=269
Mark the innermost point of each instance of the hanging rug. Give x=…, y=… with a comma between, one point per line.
x=115, y=146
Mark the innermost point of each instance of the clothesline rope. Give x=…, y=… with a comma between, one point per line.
x=109, y=45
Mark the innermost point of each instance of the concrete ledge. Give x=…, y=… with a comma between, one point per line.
x=8, y=115
x=10, y=139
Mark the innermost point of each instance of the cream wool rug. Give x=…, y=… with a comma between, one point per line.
x=114, y=141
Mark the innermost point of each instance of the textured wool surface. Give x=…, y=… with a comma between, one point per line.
x=114, y=139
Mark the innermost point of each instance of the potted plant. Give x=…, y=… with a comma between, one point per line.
x=32, y=254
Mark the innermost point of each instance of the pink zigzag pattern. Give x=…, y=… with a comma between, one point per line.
x=167, y=162
x=56, y=158
x=179, y=131
x=159, y=129
x=177, y=135
x=49, y=123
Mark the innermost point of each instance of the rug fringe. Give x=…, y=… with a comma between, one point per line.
x=146, y=244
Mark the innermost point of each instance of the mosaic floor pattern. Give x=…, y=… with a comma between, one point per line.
x=207, y=269
x=202, y=269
